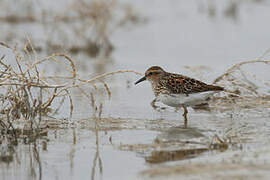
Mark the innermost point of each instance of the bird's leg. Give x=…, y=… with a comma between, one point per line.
x=153, y=104
x=185, y=116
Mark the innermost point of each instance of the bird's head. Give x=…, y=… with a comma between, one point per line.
x=152, y=74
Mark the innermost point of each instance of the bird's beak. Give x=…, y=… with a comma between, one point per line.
x=140, y=80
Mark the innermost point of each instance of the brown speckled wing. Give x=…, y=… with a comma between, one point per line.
x=178, y=84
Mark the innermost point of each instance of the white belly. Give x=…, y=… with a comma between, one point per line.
x=178, y=100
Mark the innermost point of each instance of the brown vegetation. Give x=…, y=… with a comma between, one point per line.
x=29, y=93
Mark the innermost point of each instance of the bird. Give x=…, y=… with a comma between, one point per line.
x=177, y=90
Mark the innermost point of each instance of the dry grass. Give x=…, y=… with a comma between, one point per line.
x=244, y=89
x=28, y=93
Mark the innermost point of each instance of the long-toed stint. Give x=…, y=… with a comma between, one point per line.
x=177, y=90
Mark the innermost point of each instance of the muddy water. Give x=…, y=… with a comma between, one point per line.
x=132, y=140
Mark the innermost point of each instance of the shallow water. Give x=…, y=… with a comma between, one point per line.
x=145, y=148
x=133, y=141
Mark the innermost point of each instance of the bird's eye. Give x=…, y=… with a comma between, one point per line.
x=150, y=73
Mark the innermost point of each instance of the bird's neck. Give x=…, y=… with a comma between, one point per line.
x=156, y=87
